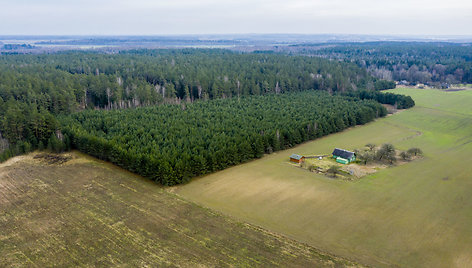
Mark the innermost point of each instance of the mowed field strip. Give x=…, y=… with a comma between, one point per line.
x=416, y=215
x=87, y=213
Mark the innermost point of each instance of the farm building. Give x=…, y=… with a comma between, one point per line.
x=297, y=158
x=344, y=156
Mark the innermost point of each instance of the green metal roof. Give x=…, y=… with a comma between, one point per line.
x=296, y=156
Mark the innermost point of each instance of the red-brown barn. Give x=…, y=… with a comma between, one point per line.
x=297, y=158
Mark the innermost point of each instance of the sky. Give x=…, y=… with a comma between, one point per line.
x=164, y=17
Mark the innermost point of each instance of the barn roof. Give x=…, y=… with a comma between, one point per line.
x=296, y=156
x=343, y=153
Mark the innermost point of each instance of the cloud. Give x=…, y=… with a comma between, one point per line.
x=230, y=16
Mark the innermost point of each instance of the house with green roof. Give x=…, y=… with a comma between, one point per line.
x=344, y=156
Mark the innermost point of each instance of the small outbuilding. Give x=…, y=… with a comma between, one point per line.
x=344, y=156
x=297, y=158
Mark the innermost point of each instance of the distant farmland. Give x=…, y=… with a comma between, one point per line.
x=81, y=212
x=416, y=215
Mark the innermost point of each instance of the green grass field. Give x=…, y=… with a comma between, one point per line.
x=416, y=215
x=87, y=213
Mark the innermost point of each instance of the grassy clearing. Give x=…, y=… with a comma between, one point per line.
x=321, y=167
x=73, y=210
x=417, y=215
x=354, y=170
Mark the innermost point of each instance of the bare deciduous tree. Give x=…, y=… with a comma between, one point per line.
x=386, y=152
x=371, y=146
x=415, y=151
x=405, y=156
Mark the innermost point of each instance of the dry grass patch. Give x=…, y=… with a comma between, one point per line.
x=70, y=210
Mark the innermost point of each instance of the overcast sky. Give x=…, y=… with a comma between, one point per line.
x=147, y=17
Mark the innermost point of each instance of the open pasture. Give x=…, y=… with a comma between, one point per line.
x=416, y=215
x=74, y=211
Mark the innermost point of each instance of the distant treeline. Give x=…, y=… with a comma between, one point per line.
x=436, y=64
x=17, y=46
x=172, y=143
x=34, y=89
